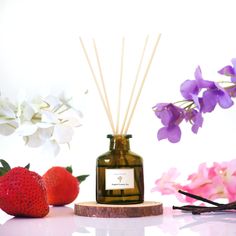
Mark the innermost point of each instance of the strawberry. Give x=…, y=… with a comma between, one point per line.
x=62, y=187
x=22, y=192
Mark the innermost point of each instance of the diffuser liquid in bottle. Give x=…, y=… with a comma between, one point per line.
x=119, y=174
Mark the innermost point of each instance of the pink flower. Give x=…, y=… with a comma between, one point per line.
x=200, y=178
x=227, y=174
x=200, y=183
x=166, y=184
x=217, y=181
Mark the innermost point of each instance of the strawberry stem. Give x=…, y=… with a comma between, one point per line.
x=69, y=168
x=5, y=165
x=27, y=166
x=81, y=178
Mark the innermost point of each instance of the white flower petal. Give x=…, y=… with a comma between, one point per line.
x=45, y=134
x=49, y=117
x=52, y=101
x=6, y=129
x=63, y=134
x=44, y=125
x=6, y=111
x=4, y=120
x=26, y=112
x=26, y=129
x=33, y=140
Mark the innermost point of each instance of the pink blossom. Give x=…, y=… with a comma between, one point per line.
x=215, y=182
x=200, y=178
x=227, y=174
x=166, y=184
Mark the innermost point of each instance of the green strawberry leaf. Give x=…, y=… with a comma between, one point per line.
x=27, y=166
x=2, y=171
x=81, y=178
x=69, y=168
x=5, y=165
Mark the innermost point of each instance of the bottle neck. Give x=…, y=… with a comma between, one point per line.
x=119, y=142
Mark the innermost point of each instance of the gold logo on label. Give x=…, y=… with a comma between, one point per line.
x=119, y=178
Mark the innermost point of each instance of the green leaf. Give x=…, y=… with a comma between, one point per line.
x=69, y=168
x=81, y=178
x=5, y=165
x=2, y=171
x=27, y=166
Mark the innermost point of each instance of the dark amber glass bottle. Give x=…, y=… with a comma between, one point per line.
x=119, y=174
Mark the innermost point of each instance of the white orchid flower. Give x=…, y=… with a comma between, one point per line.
x=46, y=122
x=8, y=118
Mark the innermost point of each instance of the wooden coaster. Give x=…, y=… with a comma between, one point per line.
x=93, y=209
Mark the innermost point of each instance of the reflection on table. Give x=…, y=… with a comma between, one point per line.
x=61, y=221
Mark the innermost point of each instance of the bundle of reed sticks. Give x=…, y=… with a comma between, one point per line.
x=120, y=128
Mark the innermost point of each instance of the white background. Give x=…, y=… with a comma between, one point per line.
x=40, y=53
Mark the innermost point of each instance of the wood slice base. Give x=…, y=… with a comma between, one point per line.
x=93, y=209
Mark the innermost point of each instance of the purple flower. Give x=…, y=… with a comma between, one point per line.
x=231, y=91
x=230, y=70
x=213, y=96
x=171, y=116
x=191, y=88
x=169, y=113
x=201, y=96
x=172, y=133
x=195, y=118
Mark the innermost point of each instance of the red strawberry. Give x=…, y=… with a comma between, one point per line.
x=22, y=192
x=62, y=187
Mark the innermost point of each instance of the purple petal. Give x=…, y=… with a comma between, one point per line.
x=166, y=117
x=233, y=61
x=196, y=100
x=163, y=113
x=232, y=91
x=198, y=121
x=209, y=100
x=200, y=81
x=198, y=73
x=160, y=106
x=188, y=88
x=162, y=133
x=227, y=70
x=172, y=133
x=225, y=100
x=169, y=113
x=233, y=79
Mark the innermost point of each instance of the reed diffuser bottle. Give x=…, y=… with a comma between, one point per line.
x=119, y=174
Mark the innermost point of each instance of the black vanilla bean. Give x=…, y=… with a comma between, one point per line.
x=203, y=209
x=200, y=198
x=223, y=207
x=187, y=208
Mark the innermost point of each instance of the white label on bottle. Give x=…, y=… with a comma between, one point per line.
x=119, y=179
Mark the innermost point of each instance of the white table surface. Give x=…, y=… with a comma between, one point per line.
x=61, y=221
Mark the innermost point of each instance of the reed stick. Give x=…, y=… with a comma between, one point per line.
x=134, y=85
x=97, y=85
x=142, y=84
x=120, y=86
x=103, y=85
